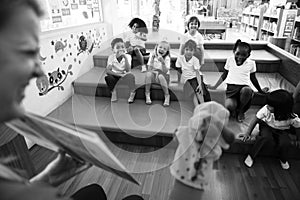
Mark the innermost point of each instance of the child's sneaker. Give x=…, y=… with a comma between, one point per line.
x=285, y=165
x=144, y=68
x=131, y=97
x=148, y=99
x=114, y=97
x=248, y=161
x=167, y=100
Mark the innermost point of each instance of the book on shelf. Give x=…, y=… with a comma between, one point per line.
x=80, y=144
x=295, y=50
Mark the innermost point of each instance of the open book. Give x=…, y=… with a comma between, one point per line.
x=79, y=143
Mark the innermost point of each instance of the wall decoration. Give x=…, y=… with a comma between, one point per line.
x=85, y=45
x=63, y=50
x=68, y=13
x=60, y=46
x=55, y=80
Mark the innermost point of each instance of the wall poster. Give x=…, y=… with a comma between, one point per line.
x=68, y=13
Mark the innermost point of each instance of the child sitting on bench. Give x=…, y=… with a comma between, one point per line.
x=191, y=74
x=118, y=70
x=159, y=71
x=135, y=40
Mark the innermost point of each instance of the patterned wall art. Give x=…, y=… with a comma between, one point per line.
x=61, y=57
x=68, y=13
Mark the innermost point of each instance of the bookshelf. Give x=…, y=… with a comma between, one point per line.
x=213, y=30
x=251, y=23
x=294, y=47
x=278, y=24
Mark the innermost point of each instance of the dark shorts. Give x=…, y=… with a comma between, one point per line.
x=190, y=87
x=233, y=91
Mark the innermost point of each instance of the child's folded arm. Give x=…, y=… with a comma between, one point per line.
x=110, y=72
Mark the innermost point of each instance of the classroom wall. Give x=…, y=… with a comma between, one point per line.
x=65, y=54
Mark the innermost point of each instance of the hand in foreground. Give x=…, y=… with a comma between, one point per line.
x=62, y=168
x=246, y=137
x=161, y=59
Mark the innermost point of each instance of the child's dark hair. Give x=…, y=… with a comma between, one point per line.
x=190, y=44
x=239, y=43
x=167, y=53
x=193, y=18
x=142, y=27
x=115, y=41
x=282, y=101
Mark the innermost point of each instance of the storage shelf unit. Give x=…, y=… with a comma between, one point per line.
x=213, y=30
x=294, y=47
x=251, y=24
x=280, y=25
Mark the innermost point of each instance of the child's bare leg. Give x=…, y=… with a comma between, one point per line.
x=164, y=84
x=231, y=105
x=245, y=98
x=139, y=55
x=148, y=80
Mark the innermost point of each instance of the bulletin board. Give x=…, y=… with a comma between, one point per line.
x=68, y=13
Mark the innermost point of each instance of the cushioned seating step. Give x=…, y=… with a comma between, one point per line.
x=92, y=83
x=214, y=59
x=141, y=124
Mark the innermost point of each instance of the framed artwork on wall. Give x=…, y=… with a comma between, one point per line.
x=69, y=13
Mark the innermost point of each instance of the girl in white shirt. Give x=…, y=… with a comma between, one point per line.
x=135, y=40
x=275, y=120
x=192, y=33
x=158, y=71
x=239, y=71
x=190, y=68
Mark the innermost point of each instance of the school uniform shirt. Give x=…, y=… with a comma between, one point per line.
x=188, y=68
x=198, y=38
x=134, y=39
x=118, y=67
x=268, y=117
x=158, y=65
x=239, y=75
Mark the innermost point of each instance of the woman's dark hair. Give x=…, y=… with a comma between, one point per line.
x=241, y=44
x=142, y=27
x=190, y=44
x=9, y=7
x=115, y=41
x=282, y=101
